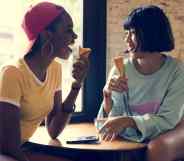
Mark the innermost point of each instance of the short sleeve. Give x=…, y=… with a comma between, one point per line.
x=10, y=88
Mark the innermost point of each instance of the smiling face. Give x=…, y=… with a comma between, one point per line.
x=130, y=40
x=63, y=36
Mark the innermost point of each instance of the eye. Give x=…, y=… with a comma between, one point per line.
x=126, y=33
x=132, y=31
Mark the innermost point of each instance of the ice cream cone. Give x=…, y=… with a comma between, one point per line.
x=120, y=65
x=84, y=52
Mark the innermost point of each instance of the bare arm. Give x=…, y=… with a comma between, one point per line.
x=61, y=113
x=10, y=140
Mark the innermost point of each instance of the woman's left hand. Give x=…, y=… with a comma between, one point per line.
x=114, y=125
x=80, y=68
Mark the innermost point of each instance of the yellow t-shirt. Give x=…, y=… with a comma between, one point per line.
x=19, y=86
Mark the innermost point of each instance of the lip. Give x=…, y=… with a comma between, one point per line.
x=70, y=46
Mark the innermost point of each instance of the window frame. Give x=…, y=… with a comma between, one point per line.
x=94, y=37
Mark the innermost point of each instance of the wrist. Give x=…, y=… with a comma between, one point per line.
x=105, y=113
x=76, y=85
x=69, y=110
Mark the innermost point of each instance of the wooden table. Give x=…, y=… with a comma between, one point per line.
x=84, y=129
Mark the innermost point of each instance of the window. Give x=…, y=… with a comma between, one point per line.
x=94, y=36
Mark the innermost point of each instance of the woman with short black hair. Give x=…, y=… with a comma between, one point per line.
x=153, y=29
x=149, y=100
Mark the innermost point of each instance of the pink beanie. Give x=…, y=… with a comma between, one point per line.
x=38, y=17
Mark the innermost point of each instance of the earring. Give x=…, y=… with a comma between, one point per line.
x=50, y=47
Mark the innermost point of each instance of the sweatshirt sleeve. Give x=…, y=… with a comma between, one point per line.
x=170, y=113
x=117, y=103
x=118, y=107
x=101, y=113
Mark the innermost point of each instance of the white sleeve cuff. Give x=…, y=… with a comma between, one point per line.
x=8, y=100
x=141, y=125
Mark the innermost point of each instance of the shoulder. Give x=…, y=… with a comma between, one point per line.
x=10, y=72
x=177, y=64
x=12, y=64
x=176, y=71
x=11, y=67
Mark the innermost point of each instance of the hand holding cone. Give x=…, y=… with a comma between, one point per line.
x=84, y=52
x=81, y=65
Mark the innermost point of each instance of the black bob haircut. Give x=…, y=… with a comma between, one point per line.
x=152, y=28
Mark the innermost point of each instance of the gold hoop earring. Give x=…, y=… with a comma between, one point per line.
x=51, y=48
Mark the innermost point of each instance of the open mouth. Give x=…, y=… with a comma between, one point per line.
x=71, y=46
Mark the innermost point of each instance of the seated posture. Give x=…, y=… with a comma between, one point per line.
x=149, y=99
x=30, y=87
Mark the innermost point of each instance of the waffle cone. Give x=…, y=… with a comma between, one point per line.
x=118, y=61
x=84, y=52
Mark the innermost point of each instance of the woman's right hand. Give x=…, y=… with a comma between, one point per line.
x=118, y=84
x=80, y=69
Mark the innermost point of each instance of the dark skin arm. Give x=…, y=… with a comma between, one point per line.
x=10, y=140
x=57, y=119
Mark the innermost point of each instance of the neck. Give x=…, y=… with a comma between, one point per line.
x=38, y=64
x=148, y=63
